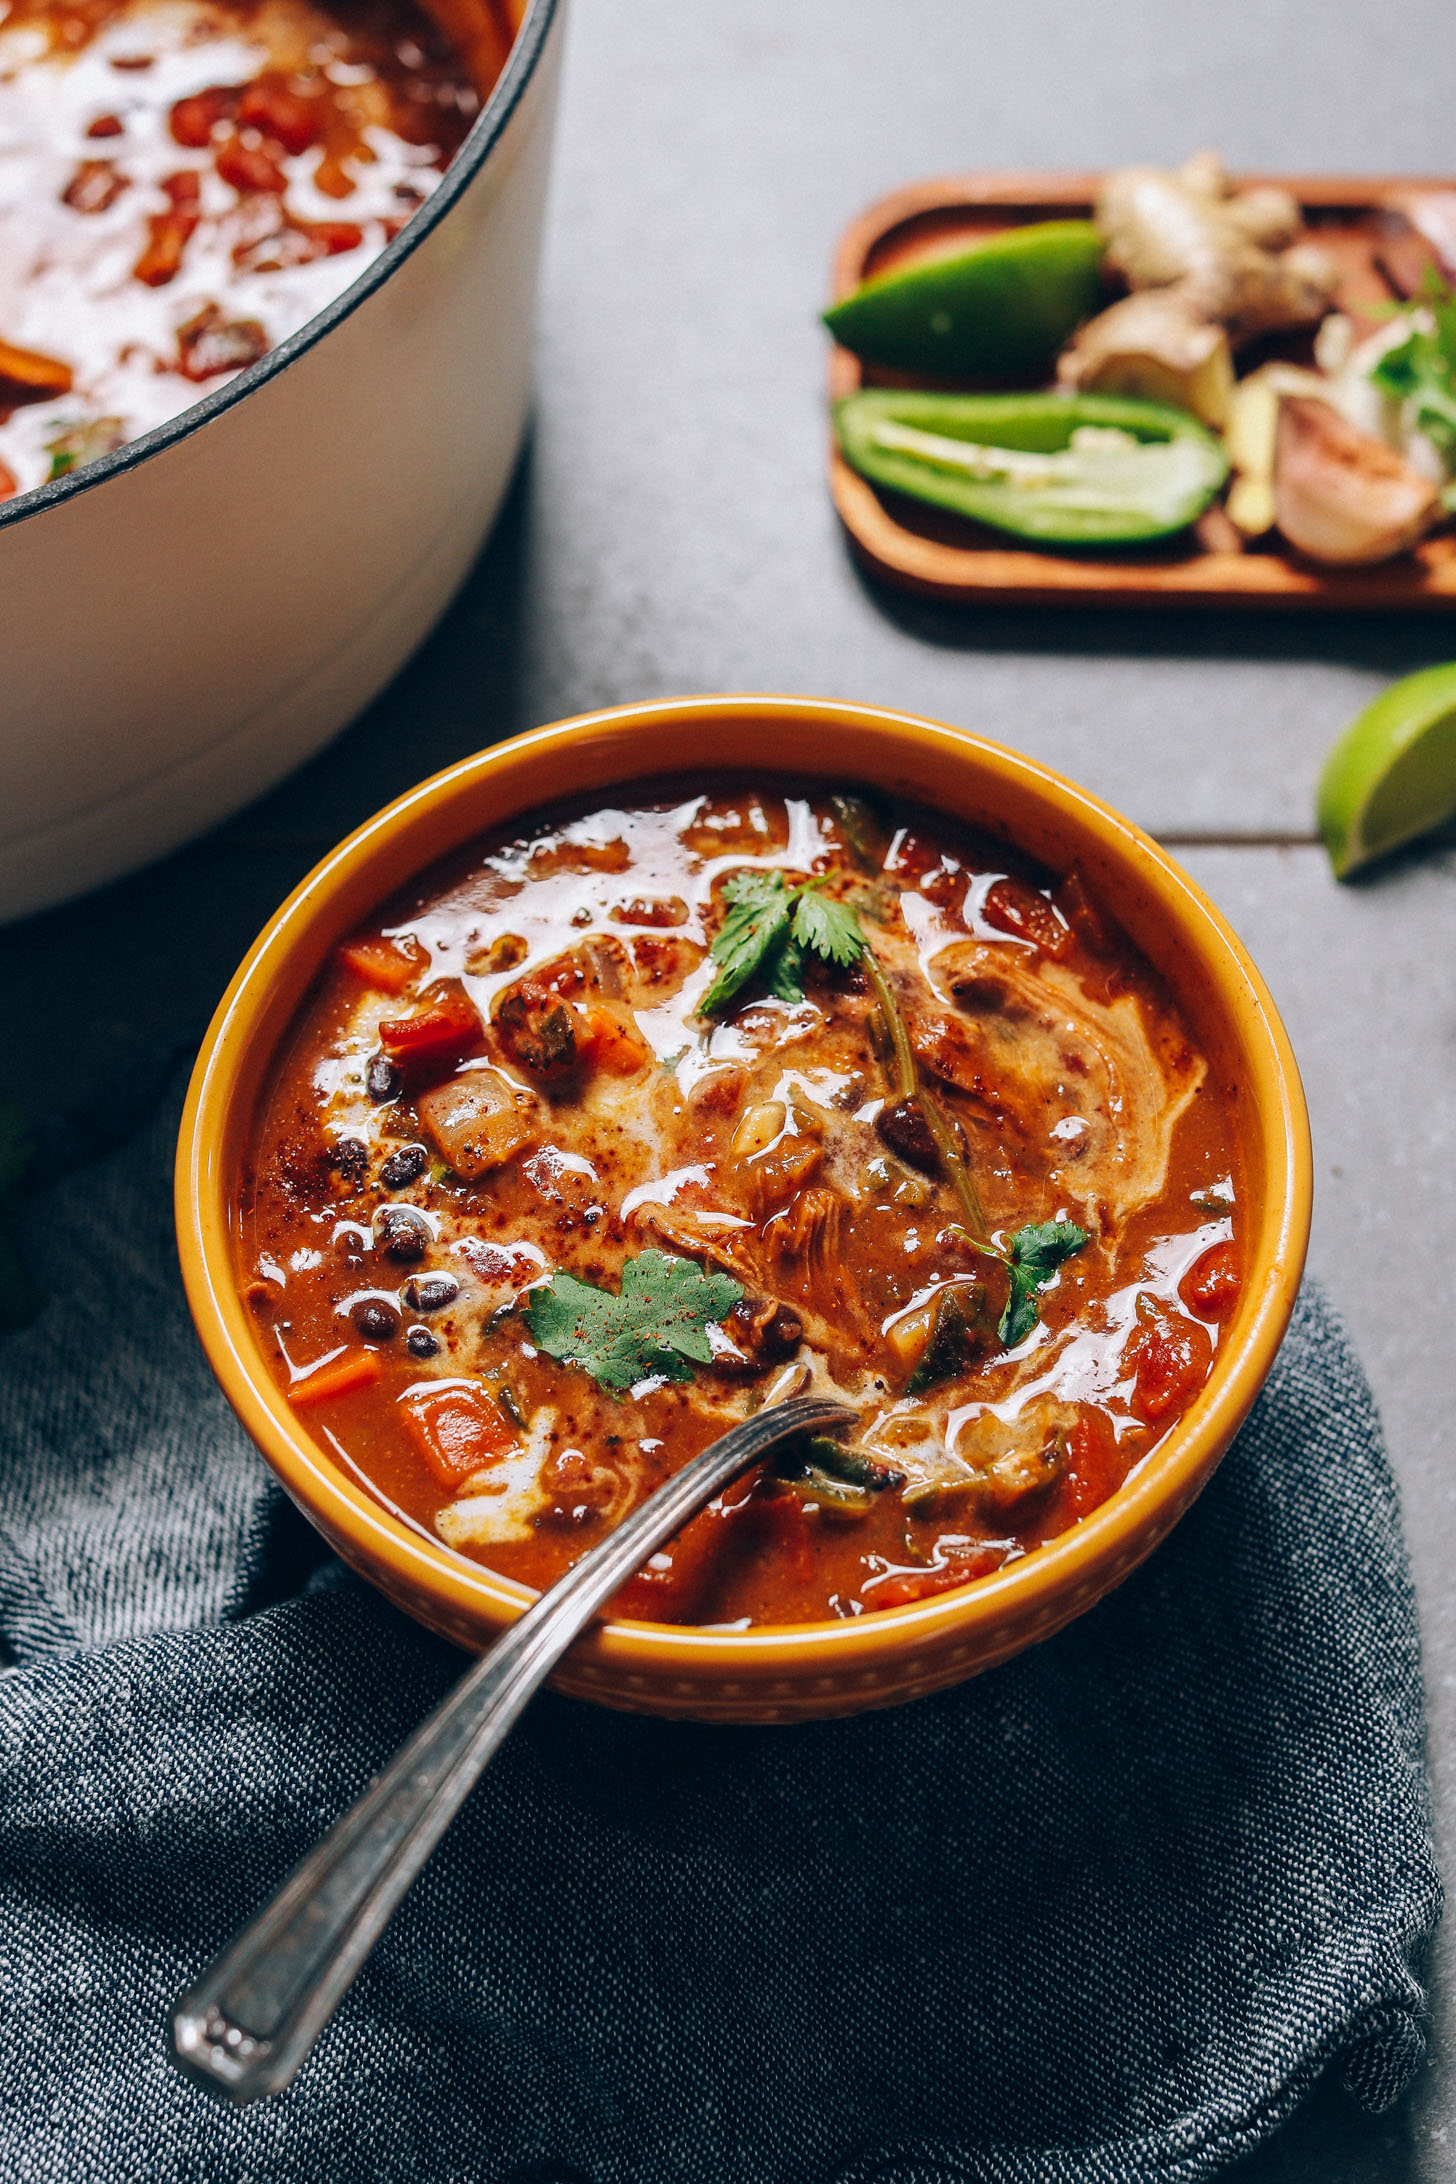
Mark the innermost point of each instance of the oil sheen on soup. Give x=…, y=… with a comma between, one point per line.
x=642, y=1116
x=185, y=183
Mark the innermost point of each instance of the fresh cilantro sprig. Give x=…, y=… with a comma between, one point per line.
x=1032, y=1258
x=768, y=929
x=1421, y=369
x=657, y=1324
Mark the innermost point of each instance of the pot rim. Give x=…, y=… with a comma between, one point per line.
x=1027, y=1595
x=486, y=132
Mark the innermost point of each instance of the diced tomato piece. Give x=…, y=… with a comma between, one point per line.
x=613, y=1043
x=962, y=1569
x=192, y=120
x=106, y=125
x=387, y=964
x=1212, y=1284
x=9, y=483
x=1095, y=1467
x=1013, y=907
x=341, y=1376
x=247, y=167
x=437, y=1035
x=168, y=233
x=458, y=1431
x=330, y=238
x=1079, y=907
x=1170, y=1356
x=269, y=104
x=672, y=1586
x=209, y=344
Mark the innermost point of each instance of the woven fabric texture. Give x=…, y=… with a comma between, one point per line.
x=1107, y=1913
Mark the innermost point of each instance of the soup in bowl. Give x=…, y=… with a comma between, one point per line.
x=542, y=1139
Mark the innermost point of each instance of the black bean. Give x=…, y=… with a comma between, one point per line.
x=430, y=1292
x=375, y=1320
x=401, y=1233
x=420, y=1342
x=404, y=1167
x=905, y=1130
x=350, y=1158
x=382, y=1079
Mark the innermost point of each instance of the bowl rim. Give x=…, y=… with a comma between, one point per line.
x=485, y=133
x=1086, y=1559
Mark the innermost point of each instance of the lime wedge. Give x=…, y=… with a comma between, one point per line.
x=999, y=311
x=1392, y=775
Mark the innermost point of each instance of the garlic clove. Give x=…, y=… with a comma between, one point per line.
x=1341, y=496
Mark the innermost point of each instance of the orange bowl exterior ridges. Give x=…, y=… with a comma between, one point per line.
x=795, y=1671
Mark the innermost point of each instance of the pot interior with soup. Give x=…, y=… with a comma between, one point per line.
x=185, y=183
x=636, y=1117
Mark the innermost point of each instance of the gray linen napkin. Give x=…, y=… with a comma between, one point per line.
x=1107, y=1913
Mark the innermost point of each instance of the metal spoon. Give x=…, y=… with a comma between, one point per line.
x=246, y=2026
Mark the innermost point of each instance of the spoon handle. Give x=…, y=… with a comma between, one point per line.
x=247, y=2024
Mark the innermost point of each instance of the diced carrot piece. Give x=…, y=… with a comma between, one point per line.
x=458, y=1431
x=341, y=1376
x=31, y=374
x=387, y=964
x=613, y=1043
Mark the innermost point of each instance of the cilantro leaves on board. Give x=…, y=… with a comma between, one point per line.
x=1033, y=1257
x=657, y=1324
x=768, y=929
x=1421, y=369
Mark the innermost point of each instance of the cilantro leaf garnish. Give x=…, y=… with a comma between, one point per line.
x=768, y=929
x=758, y=914
x=830, y=928
x=657, y=1324
x=1034, y=1255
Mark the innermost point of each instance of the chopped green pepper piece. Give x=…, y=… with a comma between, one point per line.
x=999, y=311
x=1059, y=470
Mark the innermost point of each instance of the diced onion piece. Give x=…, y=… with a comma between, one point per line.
x=478, y=1121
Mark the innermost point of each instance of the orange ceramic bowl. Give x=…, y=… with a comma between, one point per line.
x=791, y=1672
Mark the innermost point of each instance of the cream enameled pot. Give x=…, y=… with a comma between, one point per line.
x=185, y=621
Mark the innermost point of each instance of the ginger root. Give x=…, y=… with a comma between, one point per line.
x=1233, y=256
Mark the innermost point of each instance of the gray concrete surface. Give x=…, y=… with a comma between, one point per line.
x=670, y=531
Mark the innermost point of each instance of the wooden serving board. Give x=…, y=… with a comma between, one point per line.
x=928, y=550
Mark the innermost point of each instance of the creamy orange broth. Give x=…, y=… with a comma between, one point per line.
x=507, y=1074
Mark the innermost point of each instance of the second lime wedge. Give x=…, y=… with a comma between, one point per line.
x=997, y=312
x=1392, y=775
